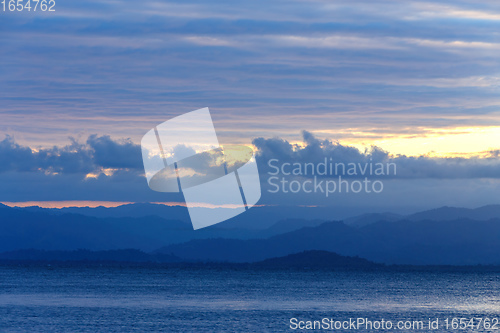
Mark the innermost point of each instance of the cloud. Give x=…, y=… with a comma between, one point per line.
x=14, y=156
x=98, y=169
x=101, y=156
x=62, y=173
x=107, y=153
x=99, y=152
x=119, y=68
x=314, y=150
x=421, y=182
x=356, y=71
x=102, y=152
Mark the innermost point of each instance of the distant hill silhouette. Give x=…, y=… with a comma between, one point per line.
x=257, y=218
x=452, y=213
x=439, y=214
x=22, y=229
x=288, y=225
x=323, y=237
x=366, y=219
x=53, y=230
x=305, y=260
x=136, y=210
x=459, y=242
x=266, y=217
x=435, y=237
x=317, y=260
x=128, y=255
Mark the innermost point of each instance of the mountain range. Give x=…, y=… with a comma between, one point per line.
x=457, y=242
x=447, y=235
x=322, y=260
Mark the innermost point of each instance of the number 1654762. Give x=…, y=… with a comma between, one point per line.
x=28, y=5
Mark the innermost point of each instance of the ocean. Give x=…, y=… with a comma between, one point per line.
x=65, y=298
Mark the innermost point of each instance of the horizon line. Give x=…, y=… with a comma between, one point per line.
x=106, y=204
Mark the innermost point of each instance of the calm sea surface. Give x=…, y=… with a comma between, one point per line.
x=143, y=299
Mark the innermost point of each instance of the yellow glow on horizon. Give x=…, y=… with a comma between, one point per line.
x=445, y=142
x=438, y=142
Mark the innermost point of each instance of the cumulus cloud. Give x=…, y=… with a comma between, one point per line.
x=62, y=173
x=315, y=150
x=14, y=156
x=114, y=154
x=99, y=152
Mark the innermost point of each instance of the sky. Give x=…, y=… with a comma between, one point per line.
x=420, y=80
